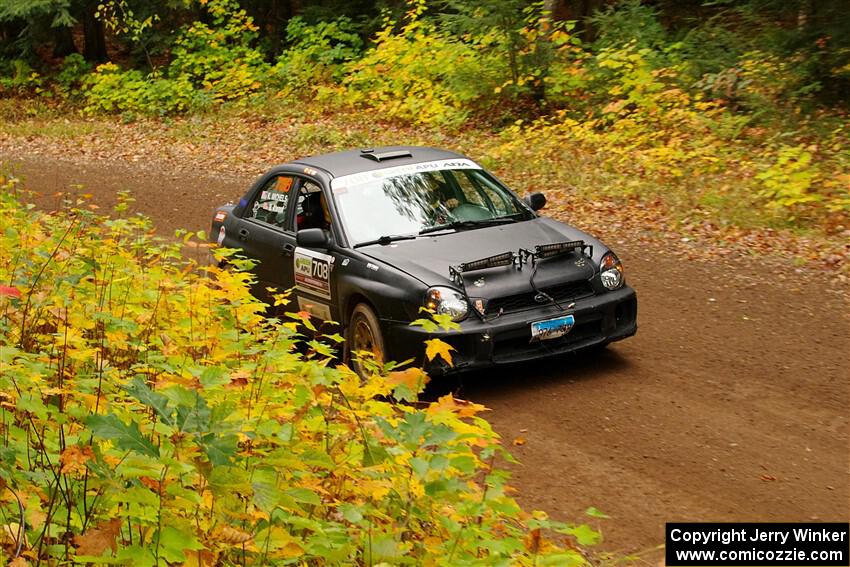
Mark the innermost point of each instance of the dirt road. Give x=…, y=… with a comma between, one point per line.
x=731, y=403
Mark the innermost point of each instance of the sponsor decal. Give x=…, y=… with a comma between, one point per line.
x=479, y=282
x=373, y=267
x=273, y=196
x=220, y=216
x=319, y=310
x=313, y=272
x=221, y=234
x=310, y=171
x=274, y=206
x=366, y=177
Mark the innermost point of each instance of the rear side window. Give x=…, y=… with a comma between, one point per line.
x=272, y=202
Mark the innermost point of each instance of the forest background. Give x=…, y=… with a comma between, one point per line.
x=727, y=113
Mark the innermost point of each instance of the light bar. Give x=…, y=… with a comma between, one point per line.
x=548, y=250
x=505, y=259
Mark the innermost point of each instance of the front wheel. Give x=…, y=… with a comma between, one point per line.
x=364, y=334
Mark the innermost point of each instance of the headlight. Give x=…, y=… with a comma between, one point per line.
x=445, y=300
x=611, y=271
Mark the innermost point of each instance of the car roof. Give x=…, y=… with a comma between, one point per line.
x=372, y=159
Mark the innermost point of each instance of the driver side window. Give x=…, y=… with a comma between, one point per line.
x=478, y=192
x=272, y=201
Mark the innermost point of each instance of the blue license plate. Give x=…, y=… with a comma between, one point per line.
x=552, y=328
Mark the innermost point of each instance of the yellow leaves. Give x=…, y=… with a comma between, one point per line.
x=97, y=540
x=11, y=534
x=437, y=347
x=74, y=459
x=200, y=558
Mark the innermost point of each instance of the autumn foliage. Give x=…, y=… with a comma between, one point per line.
x=151, y=415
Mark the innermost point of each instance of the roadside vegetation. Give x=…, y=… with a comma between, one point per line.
x=151, y=415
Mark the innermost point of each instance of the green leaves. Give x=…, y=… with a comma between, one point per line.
x=125, y=437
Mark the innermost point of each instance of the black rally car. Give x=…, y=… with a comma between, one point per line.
x=368, y=237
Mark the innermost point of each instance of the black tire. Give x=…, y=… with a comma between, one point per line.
x=364, y=333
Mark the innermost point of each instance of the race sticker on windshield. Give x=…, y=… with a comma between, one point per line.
x=367, y=176
x=313, y=272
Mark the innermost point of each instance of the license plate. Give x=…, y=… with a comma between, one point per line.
x=552, y=328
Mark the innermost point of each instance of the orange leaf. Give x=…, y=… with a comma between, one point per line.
x=9, y=291
x=412, y=378
x=532, y=540
x=519, y=441
x=74, y=458
x=434, y=347
x=97, y=540
x=448, y=402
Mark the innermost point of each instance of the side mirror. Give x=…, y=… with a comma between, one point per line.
x=314, y=238
x=536, y=201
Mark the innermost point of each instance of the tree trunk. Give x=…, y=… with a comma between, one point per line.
x=95, y=39
x=63, y=42
x=578, y=10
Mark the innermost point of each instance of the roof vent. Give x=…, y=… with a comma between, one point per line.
x=384, y=156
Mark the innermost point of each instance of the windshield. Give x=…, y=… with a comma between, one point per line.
x=407, y=200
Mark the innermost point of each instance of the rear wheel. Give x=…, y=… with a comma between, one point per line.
x=364, y=334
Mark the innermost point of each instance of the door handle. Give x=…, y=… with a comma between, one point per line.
x=244, y=234
x=288, y=249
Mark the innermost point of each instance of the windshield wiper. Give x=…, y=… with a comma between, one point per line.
x=458, y=225
x=386, y=239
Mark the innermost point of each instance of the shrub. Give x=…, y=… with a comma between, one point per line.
x=71, y=76
x=109, y=89
x=150, y=415
x=219, y=57
x=19, y=77
x=212, y=63
x=421, y=73
x=317, y=52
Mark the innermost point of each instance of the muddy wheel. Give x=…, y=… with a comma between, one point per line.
x=364, y=334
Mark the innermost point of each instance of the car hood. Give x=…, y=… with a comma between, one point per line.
x=428, y=258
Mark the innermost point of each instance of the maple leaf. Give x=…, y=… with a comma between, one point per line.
x=462, y=408
x=97, y=540
x=434, y=347
x=411, y=377
x=74, y=458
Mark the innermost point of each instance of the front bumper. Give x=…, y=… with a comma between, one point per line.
x=599, y=320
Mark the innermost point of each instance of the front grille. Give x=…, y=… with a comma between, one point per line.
x=563, y=292
x=517, y=346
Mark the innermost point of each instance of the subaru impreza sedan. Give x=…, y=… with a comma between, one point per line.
x=367, y=238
